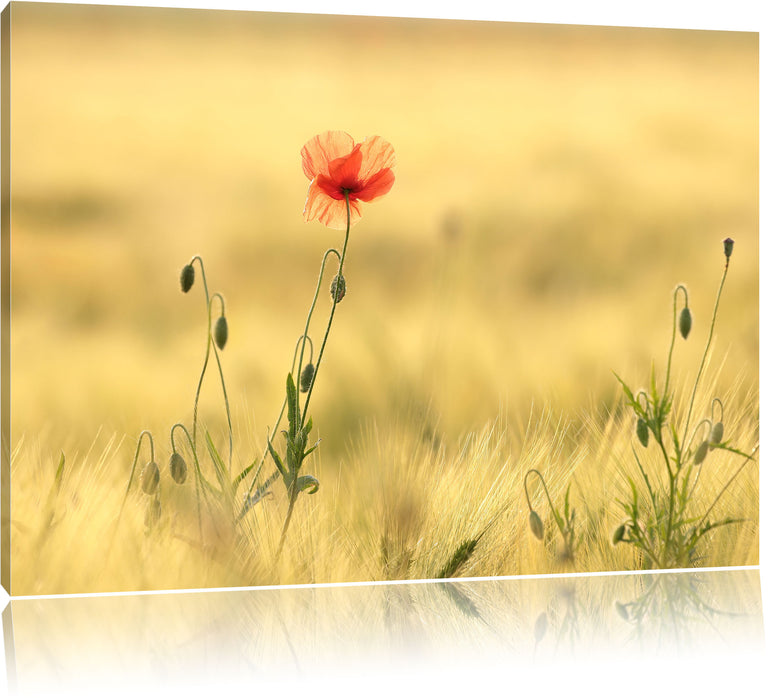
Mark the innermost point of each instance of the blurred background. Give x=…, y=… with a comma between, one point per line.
x=553, y=184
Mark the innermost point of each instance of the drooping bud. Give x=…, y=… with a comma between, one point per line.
x=540, y=627
x=685, y=322
x=716, y=434
x=221, y=332
x=153, y=512
x=306, y=379
x=701, y=452
x=642, y=431
x=178, y=468
x=537, y=526
x=619, y=533
x=728, y=247
x=149, y=479
x=187, y=277
x=622, y=611
x=337, y=288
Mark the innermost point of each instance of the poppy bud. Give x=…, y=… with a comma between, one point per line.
x=307, y=378
x=716, y=433
x=642, y=431
x=540, y=627
x=153, y=512
x=221, y=332
x=187, y=277
x=619, y=533
x=337, y=288
x=622, y=611
x=537, y=527
x=149, y=479
x=685, y=322
x=728, y=245
x=700, y=453
x=178, y=468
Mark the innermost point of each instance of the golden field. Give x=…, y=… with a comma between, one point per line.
x=553, y=185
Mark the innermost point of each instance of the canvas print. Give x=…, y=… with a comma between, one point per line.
x=296, y=299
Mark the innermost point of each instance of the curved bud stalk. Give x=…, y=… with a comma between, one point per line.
x=662, y=521
x=565, y=523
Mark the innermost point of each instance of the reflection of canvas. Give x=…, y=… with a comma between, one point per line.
x=554, y=185
x=431, y=630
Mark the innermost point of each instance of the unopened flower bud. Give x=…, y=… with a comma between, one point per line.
x=619, y=533
x=540, y=627
x=537, y=527
x=642, y=431
x=685, y=322
x=149, y=479
x=622, y=611
x=187, y=277
x=307, y=378
x=728, y=246
x=338, y=288
x=700, y=453
x=716, y=433
x=153, y=512
x=178, y=468
x=221, y=332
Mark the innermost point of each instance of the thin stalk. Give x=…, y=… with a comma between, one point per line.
x=306, y=336
x=747, y=458
x=223, y=386
x=134, y=465
x=333, y=309
x=207, y=350
x=673, y=337
x=703, y=359
x=283, y=407
x=546, y=491
x=294, y=490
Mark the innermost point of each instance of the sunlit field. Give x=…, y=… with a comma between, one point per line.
x=554, y=185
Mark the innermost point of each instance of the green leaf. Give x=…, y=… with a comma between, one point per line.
x=312, y=449
x=243, y=474
x=221, y=470
x=276, y=459
x=307, y=481
x=293, y=407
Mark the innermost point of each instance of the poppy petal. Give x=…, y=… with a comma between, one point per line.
x=320, y=150
x=378, y=155
x=346, y=172
x=377, y=186
x=328, y=211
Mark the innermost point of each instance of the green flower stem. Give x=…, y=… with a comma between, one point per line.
x=555, y=515
x=208, y=303
x=306, y=336
x=207, y=350
x=132, y=475
x=259, y=464
x=134, y=463
x=331, y=315
x=223, y=382
x=747, y=458
x=294, y=489
x=198, y=477
x=673, y=335
x=703, y=359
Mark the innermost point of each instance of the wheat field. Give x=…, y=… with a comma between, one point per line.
x=553, y=185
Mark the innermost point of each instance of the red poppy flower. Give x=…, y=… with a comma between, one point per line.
x=336, y=165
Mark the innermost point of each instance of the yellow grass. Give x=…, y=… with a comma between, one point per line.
x=553, y=185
